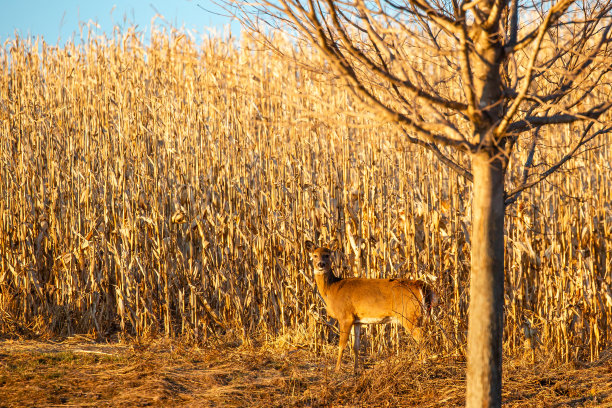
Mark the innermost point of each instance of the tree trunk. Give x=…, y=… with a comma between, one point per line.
x=485, y=324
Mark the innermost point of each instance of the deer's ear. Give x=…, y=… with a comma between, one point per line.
x=310, y=246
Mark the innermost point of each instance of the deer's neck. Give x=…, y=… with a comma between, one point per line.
x=324, y=282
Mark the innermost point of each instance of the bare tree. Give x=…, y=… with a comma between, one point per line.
x=503, y=70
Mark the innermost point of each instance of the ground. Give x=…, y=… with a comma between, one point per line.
x=79, y=372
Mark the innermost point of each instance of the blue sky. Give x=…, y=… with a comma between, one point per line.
x=55, y=20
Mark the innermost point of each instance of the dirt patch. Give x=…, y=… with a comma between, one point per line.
x=80, y=373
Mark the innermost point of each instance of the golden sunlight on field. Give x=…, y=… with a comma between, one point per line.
x=79, y=372
x=168, y=190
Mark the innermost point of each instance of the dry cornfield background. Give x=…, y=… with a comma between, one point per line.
x=167, y=188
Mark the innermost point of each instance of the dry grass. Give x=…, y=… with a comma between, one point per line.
x=79, y=373
x=167, y=189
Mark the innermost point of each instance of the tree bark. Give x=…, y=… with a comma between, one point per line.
x=485, y=320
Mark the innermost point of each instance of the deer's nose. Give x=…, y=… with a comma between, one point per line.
x=321, y=264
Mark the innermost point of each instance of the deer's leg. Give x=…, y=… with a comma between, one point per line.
x=416, y=334
x=345, y=331
x=356, y=344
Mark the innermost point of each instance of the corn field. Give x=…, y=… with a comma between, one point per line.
x=167, y=189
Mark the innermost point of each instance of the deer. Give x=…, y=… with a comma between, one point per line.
x=356, y=301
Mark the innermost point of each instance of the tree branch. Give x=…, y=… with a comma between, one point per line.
x=428, y=130
x=386, y=74
x=463, y=172
x=554, y=13
x=532, y=122
x=513, y=196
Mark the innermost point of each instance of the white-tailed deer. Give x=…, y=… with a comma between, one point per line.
x=357, y=301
